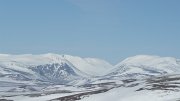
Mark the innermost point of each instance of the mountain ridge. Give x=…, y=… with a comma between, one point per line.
x=13, y=66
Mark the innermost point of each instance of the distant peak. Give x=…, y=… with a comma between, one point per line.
x=51, y=54
x=145, y=56
x=4, y=55
x=147, y=59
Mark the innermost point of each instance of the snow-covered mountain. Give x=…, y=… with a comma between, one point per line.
x=146, y=65
x=91, y=66
x=50, y=67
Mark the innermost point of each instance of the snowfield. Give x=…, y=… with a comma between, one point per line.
x=168, y=91
x=53, y=77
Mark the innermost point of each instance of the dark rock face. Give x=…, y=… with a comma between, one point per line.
x=59, y=73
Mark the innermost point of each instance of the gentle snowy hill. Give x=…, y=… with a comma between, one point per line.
x=146, y=65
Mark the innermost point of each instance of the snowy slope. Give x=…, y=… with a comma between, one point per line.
x=91, y=66
x=146, y=65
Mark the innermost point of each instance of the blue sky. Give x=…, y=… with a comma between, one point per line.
x=107, y=29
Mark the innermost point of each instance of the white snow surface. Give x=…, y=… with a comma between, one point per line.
x=40, y=98
x=128, y=94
